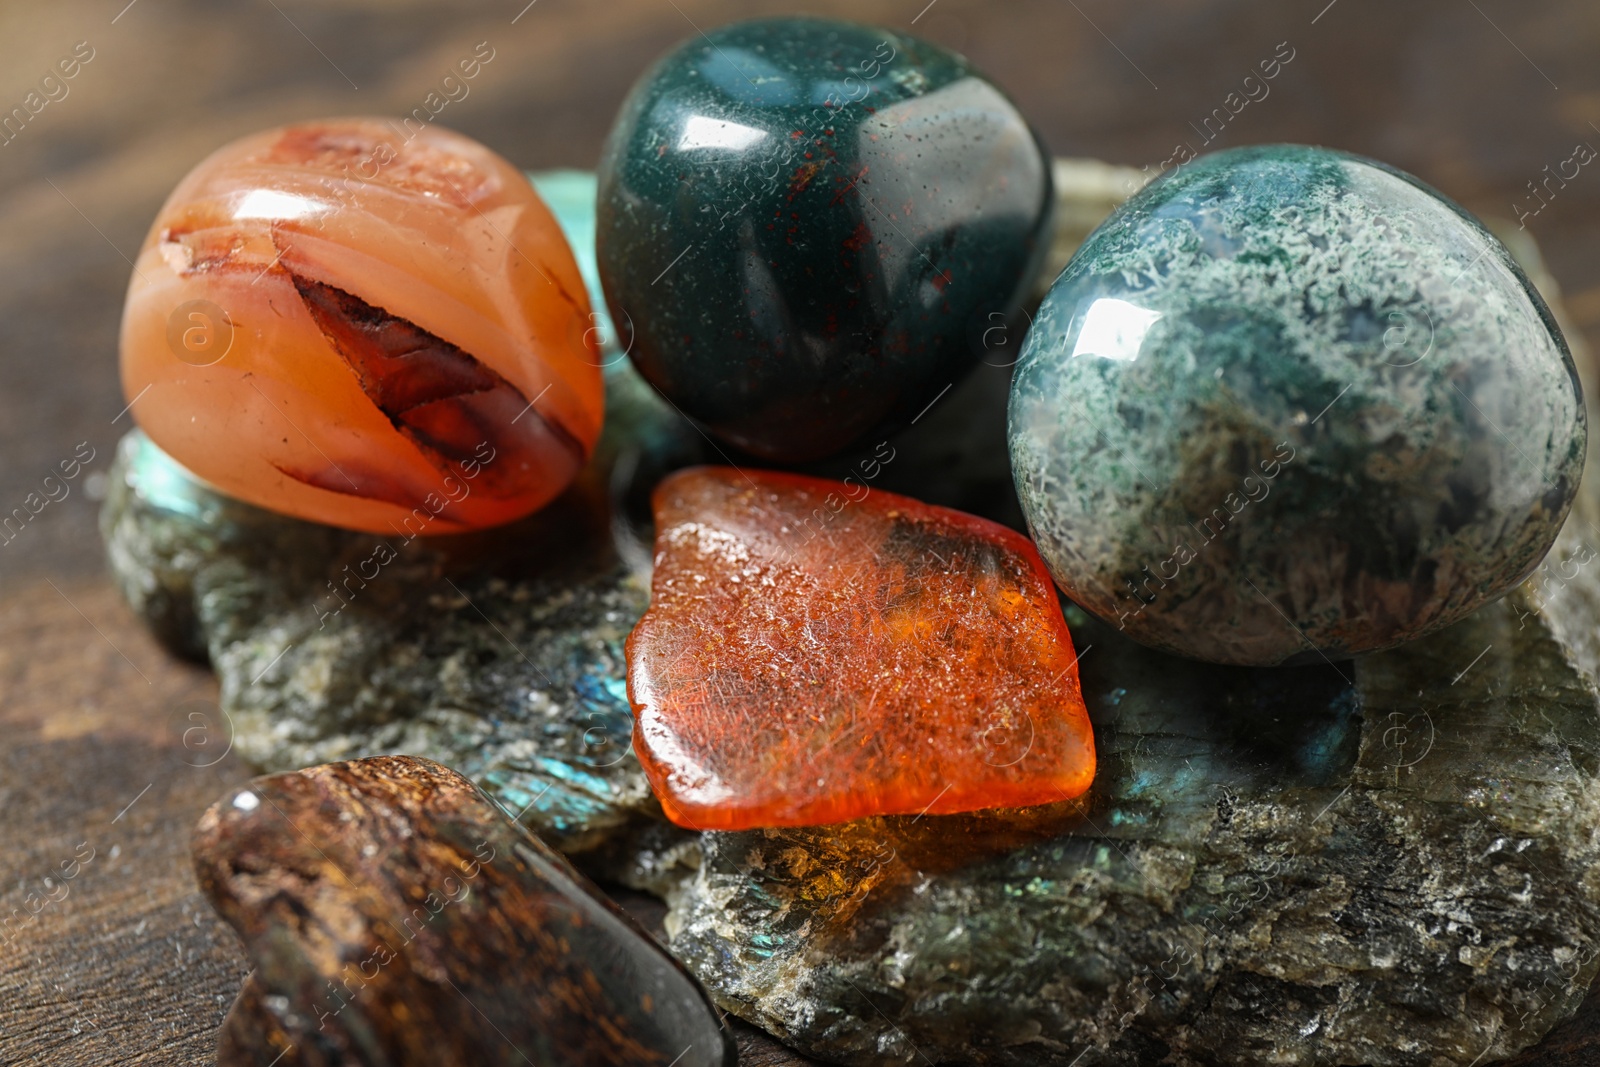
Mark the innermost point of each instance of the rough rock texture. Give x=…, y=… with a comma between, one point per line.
x=396, y=917
x=1288, y=403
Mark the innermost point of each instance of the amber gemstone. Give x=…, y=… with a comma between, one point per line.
x=818, y=651
x=364, y=323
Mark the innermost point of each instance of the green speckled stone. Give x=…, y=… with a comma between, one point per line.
x=809, y=226
x=1287, y=404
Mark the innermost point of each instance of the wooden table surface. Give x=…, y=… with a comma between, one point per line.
x=125, y=963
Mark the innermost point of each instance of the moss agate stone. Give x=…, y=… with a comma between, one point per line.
x=808, y=226
x=1289, y=404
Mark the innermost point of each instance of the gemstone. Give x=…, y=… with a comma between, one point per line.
x=499, y=654
x=394, y=915
x=365, y=325
x=806, y=228
x=818, y=651
x=1289, y=404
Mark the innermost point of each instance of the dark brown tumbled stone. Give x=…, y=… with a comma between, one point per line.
x=395, y=916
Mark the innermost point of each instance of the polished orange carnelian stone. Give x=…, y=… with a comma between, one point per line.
x=809, y=658
x=364, y=323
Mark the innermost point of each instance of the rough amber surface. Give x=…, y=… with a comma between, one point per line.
x=367, y=324
x=817, y=651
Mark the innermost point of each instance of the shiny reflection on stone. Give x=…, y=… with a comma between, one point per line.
x=1329, y=413
x=890, y=658
x=811, y=224
x=1114, y=329
x=368, y=330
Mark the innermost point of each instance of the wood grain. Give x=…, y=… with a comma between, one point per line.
x=128, y=965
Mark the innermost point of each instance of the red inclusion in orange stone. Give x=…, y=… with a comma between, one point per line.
x=808, y=658
x=366, y=325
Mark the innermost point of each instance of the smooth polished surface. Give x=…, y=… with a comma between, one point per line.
x=809, y=225
x=816, y=651
x=364, y=324
x=1289, y=404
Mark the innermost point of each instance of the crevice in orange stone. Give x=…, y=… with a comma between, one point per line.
x=452, y=406
x=808, y=658
x=572, y=302
x=368, y=324
x=352, y=481
x=199, y=250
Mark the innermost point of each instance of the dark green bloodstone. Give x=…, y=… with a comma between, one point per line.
x=1288, y=404
x=807, y=226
